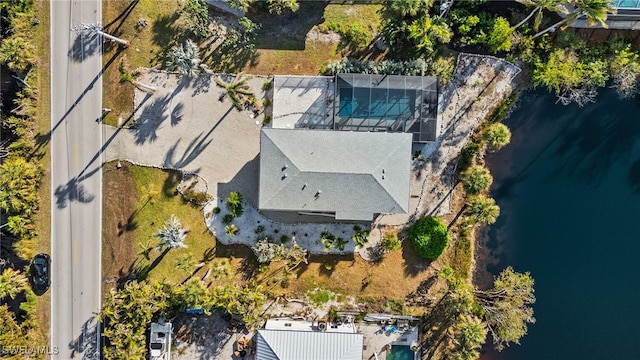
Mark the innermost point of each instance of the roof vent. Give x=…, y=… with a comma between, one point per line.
x=383, y=171
x=304, y=186
x=318, y=193
x=382, y=177
x=284, y=167
x=284, y=176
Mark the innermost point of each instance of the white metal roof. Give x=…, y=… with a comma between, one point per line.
x=308, y=345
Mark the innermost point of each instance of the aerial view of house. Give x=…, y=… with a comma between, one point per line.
x=319, y=180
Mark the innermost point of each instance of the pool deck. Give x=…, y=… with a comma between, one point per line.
x=375, y=340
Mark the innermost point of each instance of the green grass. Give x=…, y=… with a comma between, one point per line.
x=153, y=215
x=320, y=297
x=462, y=257
x=357, y=24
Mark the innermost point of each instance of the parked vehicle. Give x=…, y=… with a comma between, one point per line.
x=41, y=273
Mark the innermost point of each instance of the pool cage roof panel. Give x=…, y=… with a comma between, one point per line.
x=392, y=103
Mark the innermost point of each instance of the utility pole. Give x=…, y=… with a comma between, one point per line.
x=96, y=28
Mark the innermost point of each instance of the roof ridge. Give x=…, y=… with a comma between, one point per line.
x=384, y=187
x=269, y=345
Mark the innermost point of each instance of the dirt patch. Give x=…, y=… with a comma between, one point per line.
x=118, y=245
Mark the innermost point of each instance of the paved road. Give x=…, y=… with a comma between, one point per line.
x=76, y=179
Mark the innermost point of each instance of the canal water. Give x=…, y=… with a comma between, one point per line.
x=568, y=187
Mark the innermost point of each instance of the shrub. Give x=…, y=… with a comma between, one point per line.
x=476, y=179
x=467, y=155
x=198, y=197
x=126, y=77
x=390, y=242
x=360, y=236
x=216, y=210
x=320, y=297
x=267, y=119
x=430, y=237
x=227, y=219
x=358, y=35
x=266, y=102
x=259, y=229
x=231, y=230
x=284, y=239
x=268, y=85
x=500, y=36
x=234, y=204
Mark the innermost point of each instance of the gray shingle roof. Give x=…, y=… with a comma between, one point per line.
x=308, y=345
x=358, y=174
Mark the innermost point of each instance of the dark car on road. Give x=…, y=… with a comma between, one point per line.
x=41, y=273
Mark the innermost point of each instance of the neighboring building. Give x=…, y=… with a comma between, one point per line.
x=160, y=340
x=358, y=102
x=346, y=175
x=285, y=339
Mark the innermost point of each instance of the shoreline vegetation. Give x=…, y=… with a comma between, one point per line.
x=295, y=37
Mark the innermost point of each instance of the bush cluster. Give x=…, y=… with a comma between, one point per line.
x=430, y=237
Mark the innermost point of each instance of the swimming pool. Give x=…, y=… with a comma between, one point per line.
x=400, y=352
x=626, y=4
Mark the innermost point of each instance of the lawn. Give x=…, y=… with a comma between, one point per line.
x=131, y=218
x=284, y=47
x=43, y=125
x=130, y=222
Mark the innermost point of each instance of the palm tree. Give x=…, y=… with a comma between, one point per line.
x=185, y=59
x=238, y=90
x=483, y=210
x=539, y=7
x=18, y=181
x=476, y=179
x=496, y=135
x=145, y=250
x=231, y=230
x=16, y=53
x=12, y=283
x=148, y=194
x=468, y=334
x=595, y=12
x=172, y=234
x=234, y=203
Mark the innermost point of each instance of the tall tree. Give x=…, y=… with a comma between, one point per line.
x=467, y=336
x=196, y=17
x=483, y=209
x=540, y=6
x=12, y=283
x=410, y=7
x=476, y=179
x=185, y=59
x=496, y=135
x=507, y=307
x=17, y=53
x=595, y=12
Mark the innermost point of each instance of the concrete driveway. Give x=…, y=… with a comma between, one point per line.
x=184, y=126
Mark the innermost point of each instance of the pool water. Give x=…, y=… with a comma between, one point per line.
x=400, y=352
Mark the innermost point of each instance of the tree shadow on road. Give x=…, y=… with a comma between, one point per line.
x=72, y=191
x=85, y=45
x=86, y=343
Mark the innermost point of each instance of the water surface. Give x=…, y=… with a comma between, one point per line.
x=568, y=187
